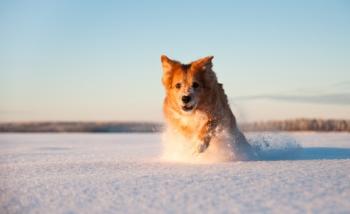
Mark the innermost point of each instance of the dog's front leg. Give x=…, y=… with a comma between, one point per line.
x=203, y=144
x=205, y=135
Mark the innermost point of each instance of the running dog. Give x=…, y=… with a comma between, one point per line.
x=196, y=106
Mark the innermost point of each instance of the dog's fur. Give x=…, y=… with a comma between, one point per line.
x=204, y=112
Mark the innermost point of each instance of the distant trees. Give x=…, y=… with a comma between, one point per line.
x=281, y=125
x=299, y=125
x=80, y=127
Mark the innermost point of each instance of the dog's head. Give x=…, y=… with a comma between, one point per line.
x=187, y=85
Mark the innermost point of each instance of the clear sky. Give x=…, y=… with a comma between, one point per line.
x=100, y=60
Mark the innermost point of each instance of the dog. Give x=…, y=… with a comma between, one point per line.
x=196, y=107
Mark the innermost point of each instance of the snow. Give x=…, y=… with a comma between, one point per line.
x=123, y=173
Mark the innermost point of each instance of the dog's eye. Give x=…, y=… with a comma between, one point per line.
x=195, y=85
x=178, y=85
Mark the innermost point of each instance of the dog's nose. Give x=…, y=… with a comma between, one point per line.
x=186, y=99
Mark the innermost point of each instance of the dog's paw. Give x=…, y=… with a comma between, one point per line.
x=200, y=148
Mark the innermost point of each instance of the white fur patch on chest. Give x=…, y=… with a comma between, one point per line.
x=195, y=120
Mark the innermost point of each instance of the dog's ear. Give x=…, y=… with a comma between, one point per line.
x=166, y=63
x=203, y=63
x=168, y=68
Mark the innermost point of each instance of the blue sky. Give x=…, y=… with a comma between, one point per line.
x=100, y=60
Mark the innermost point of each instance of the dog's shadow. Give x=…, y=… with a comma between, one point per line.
x=309, y=153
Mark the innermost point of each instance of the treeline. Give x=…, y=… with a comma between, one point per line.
x=135, y=127
x=80, y=127
x=299, y=125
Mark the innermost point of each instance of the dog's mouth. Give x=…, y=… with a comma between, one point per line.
x=188, y=108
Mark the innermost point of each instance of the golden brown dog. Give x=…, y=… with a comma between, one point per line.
x=196, y=106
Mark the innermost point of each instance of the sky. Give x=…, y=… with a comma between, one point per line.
x=100, y=60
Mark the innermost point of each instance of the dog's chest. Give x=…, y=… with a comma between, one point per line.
x=192, y=122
